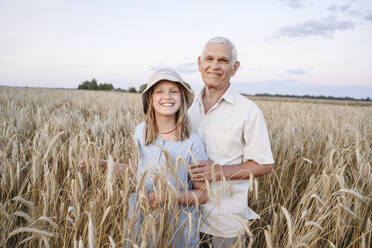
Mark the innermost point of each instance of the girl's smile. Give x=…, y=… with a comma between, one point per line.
x=166, y=98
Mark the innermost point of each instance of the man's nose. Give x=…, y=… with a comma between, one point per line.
x=215, y=65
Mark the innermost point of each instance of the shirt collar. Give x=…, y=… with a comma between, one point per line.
x=228, y=96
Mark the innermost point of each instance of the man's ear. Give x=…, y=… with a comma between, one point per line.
x=199, y=63
x=236, y=66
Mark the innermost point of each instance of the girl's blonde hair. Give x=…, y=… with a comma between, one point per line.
x=182, y=122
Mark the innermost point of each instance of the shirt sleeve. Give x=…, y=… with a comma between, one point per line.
x=256, y=140
x=198, y=148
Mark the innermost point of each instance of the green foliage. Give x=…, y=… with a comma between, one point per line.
x=188, y=85
x=132, y=90
x=120, y=89
x=346, y=98
x=88, y=85
x=105, y=87
x=92, y=85
x=142, y=88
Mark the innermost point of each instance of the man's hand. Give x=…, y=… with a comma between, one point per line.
x=205, y=170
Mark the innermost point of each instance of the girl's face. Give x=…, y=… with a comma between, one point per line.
x=166, y=98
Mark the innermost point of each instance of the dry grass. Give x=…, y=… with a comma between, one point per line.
x=319, y=194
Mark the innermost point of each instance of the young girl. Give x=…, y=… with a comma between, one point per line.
x=163, y=139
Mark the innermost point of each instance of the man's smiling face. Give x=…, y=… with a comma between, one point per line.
x=216, y=66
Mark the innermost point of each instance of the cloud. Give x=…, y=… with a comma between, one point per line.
x=186, y=68
x=294, y=4
x=297, y=71
x=340, y=8
x=355, y=13
x=368, y=17
x=344, y=9
x=333, y=8
x=324, y=27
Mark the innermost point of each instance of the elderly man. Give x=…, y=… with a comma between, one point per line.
x=237, y=144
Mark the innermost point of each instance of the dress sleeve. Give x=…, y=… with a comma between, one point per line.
x=138, y=140
x=138, y=133
x=256, y=140
x=198, y=153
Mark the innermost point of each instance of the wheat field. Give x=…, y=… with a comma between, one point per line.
x=318, y=195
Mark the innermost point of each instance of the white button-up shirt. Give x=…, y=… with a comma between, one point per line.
x=233, y=131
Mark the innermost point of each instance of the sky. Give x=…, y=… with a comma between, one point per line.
x=313, y=47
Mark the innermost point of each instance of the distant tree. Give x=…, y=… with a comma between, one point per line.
x=105, y=87
x=93, y=84
x=88, y=85
x=188, y=85
x=311, y=97
x=120, y=89
x=132, y=90
x=142, y=88
x=83, y=85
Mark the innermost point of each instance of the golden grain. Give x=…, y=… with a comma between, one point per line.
x=321, y=178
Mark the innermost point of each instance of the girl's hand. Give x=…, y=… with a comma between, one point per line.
x=82, y=166
x=156, y=200
x=152, y=199
x=120, y=168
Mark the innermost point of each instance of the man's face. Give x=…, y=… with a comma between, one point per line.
x=216, y=67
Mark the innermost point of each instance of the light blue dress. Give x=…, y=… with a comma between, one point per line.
x=151, y=158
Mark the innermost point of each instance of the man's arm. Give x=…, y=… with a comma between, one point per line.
x=207, y=170
x=83, y=165
x=191, y=197
x=256, y=146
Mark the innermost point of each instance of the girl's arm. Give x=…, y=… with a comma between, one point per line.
x=82, y=166
x=199, y=193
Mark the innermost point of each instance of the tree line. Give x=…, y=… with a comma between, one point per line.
x=346, y=98
x=93, y=85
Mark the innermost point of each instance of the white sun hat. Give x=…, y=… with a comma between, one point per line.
x=169, y=75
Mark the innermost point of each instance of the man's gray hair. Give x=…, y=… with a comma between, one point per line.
x=223, y=40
